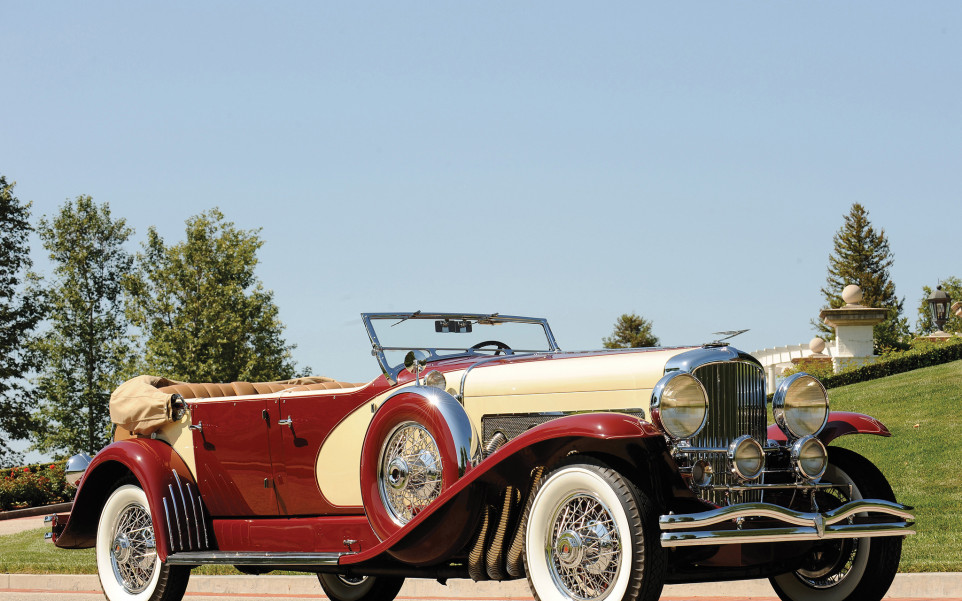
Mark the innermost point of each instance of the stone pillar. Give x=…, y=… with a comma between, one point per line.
x=853, y=323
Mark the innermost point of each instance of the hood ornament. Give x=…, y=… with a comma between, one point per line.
x=727, y=335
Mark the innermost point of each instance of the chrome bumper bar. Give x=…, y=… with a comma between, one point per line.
x=682, y=530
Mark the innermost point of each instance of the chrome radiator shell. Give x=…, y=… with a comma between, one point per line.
x=735, y=383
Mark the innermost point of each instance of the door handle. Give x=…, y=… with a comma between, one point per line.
x=286, y=422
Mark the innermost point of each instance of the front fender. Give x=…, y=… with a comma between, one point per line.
x=840, y=423
x=165, y=479
x=417, y=542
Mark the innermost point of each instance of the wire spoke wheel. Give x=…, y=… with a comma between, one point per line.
x=133, y=551
x=584, y=550
x=410, y=471
x=854, y=569
x=591, y=535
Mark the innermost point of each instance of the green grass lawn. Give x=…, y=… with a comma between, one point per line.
x=922, y=408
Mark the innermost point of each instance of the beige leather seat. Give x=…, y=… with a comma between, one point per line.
x=211, y=390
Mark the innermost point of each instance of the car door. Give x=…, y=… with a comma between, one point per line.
x=233, y=456
x=305, y=421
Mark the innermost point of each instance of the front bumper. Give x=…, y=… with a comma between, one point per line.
x=767, y=523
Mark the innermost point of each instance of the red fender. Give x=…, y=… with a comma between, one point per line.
x=153, y=463
x=417, y=542
x=840, y=423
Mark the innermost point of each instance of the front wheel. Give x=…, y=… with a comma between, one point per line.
x=127, y=559
x=855, y=569
x=592, y=535
x=360, y=588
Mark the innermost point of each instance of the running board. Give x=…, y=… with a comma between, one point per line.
x=245, y=558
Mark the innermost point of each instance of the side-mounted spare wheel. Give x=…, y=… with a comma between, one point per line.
x=419, y=443
x=127, y=560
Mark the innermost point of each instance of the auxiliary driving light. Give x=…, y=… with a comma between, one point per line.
x=747, y=458
x=810, y=457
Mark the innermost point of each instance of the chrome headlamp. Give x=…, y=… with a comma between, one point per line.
x=810, y=458
x=679, y=405
x=800, y=406
x=746, y=457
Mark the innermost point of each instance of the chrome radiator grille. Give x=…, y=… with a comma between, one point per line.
x=736, y=406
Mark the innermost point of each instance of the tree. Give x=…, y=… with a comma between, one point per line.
x=631, y=331
x=862, y=256
x=205, y=315
x=924, y=325
x=20, y=311
x=87, y=350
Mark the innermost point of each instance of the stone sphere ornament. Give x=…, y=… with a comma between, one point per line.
x=852, y=294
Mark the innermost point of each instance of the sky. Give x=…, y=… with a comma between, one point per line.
x=689, y=162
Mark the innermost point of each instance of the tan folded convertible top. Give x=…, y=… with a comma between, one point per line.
x=141, y=405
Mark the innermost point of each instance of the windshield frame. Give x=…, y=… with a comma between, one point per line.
x=392, y=371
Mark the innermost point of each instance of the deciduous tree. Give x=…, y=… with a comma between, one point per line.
x=20, y=311
x=861, y=256
x=631, y=331
x=205, y=315
x=87, y=350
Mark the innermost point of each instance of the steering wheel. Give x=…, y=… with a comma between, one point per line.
x=496, y=343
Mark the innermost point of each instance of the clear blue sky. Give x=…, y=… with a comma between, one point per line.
x=686, y=161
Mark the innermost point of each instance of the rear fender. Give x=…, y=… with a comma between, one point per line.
x=840, y=423
x=175, y=506
x=417, y=542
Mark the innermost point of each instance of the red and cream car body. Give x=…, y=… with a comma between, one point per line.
x=483, y=451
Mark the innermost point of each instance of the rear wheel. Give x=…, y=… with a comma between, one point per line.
x=127, y=559
x=590, y=536
x=360, y=588
x=853, y=569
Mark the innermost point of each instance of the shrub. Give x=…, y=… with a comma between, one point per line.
x=923, y=353
x=34, y=485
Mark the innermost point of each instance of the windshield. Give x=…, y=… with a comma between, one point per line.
x=438, y=335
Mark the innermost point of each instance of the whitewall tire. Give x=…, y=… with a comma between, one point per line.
x=127, y=559
x=853, y=569
x=360, y=588
x=589, y=537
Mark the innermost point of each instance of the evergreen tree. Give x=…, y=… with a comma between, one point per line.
x=924, y=325
x=631, y=331
x=87, y=350
x=862, y=256
x=205, y=315
x=19, y=313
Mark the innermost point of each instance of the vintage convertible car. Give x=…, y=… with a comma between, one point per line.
x=485, y=452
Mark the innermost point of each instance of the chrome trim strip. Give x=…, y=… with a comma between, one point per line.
x=170, y=531
x=194, y=507
x=787, y=534
x=244, y=558
x=200, y=504
x=183, y=502
x=464, y=376
x=173, y=503
x=789, y=516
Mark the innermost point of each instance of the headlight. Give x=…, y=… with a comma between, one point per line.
x=679, y=405
x=810, y=457
x=800, y=406
x=435, y=379
x=746, y=457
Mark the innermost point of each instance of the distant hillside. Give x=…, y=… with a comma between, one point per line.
x=922, y=460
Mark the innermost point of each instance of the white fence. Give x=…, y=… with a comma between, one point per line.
x=777, y=360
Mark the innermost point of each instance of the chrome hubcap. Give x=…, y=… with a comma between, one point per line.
x=410, y=473
x=584, y=552
x=133, y=552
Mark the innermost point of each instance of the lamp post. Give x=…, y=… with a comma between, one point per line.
x=939, y=306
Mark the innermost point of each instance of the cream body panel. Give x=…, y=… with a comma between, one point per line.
x=617, y=371
x=181, y=439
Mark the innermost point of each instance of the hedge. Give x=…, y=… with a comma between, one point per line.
x=34, y=485
x=924, y=354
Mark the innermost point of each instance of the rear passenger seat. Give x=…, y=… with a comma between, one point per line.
x=211, y=390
